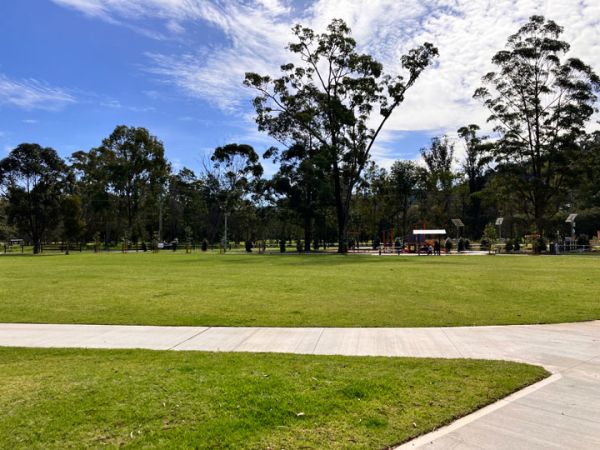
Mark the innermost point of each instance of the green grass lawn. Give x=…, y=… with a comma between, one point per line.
x=292, y=290
x=72, y=398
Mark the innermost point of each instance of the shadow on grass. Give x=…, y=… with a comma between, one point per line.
x=326, y=260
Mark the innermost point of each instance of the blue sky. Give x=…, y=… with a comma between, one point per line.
x=101, y=68
x=71, y=70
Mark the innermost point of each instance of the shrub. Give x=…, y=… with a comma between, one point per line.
x=509, y=245
x=448, y=245
x=204, y=246
x=583, y=239
x=282, y=245
x=539, y=245
x=467, y=245
x=249, y=246
x=96, y=242
x=461, y=245
x=484, y=243
x=316, y=244
x=376, y=243
x=299, y=247
x=154, y=243
x=517, y=245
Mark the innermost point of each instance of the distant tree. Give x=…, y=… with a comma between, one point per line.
x=99, y=203
x=337, y=96
x=373, y=213
x=186, y=205
x=438, y=178
x=404, y=184
x=231, y=179
x=540, y=106
x=129, y=167
x=6, y=231
x=490, y=236
x=301, y=183
x=587, y=192
x=72, y=220
x=33, y=178
x=478, y=157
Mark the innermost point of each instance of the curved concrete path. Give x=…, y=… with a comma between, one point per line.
x=561, y=413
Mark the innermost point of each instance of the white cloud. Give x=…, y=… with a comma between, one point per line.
x=116, y=104
x=31, y=94
x=467, y=32
x=30, y=121
x=111, y=103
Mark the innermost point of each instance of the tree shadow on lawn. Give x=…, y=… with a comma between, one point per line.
x=292, y=259
x=329, y=260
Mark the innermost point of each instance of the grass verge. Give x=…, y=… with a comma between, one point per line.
x=72, y=398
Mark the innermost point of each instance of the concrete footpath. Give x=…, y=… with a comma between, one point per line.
x=562, y=412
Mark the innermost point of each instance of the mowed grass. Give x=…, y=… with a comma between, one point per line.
x=72, y=398
x=292, y=290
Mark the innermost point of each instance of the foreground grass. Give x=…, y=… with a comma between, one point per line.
x=70, y=398
x=292, y=290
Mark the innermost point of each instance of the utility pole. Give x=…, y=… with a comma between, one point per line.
x=499, y=222
x=571, y=220
x=160, y=218
x=225, y=240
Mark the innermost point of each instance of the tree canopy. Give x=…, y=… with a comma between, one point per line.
x=334, y=96
x=540, y=106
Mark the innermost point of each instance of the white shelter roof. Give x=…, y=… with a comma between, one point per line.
x=421, y=232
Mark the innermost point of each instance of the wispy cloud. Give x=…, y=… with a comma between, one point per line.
x=467, y=32
x=116, y=104
x=32, y=94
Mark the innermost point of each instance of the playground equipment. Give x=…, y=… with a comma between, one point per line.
x=424, y=237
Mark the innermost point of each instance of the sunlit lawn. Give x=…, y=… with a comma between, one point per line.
x=68, y=398
x=292, y=290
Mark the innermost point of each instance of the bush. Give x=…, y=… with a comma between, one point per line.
x=467, y=245
x=583, y=239
x=282, y=245
x=316, y=244
x=461, y=245
x=249, y=246
x=448, y=245
x=517, y=245
x=204, y=246
x=376, y=243
x=539, y=245
x=299, y=247
x=484, y=244
x=509, y=247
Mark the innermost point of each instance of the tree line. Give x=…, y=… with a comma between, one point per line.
x=326, y=110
